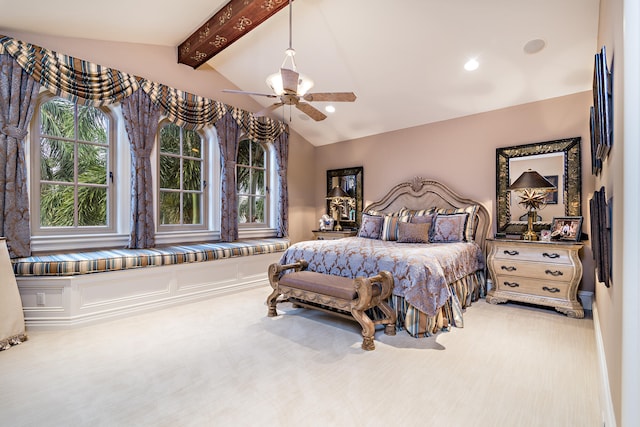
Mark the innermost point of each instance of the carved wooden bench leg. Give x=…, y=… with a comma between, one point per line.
x=389, y=328
x=368, y=328
x=274, y=274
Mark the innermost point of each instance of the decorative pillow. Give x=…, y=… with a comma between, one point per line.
x=390, y=226
x=380, y=213
x=413, y=233
x=470, y=228
x=449, y=228
x=422, y=219
x=371, y=226
x=419, y=212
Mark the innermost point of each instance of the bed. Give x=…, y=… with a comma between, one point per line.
x=435, y=280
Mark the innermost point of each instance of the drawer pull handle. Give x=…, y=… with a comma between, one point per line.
x=512, y=253
x=552, y=256
x=509, y=268
x=554, y=273
x=512, y=284
x=552, y=290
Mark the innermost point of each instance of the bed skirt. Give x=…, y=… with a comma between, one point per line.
x=462, y=293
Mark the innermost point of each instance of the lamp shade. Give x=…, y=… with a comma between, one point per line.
x=531, y=180
x=337, y=192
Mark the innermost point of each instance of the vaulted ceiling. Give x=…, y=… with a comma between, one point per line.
x=403, y=59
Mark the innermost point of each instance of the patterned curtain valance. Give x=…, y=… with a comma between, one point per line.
x=182, y=108
x=72, y=78
x=92, y=84
x=259, y=129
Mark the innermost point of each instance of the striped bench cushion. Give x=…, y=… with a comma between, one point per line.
x=70, y=264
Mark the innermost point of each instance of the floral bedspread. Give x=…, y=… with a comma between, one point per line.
x=421, y=271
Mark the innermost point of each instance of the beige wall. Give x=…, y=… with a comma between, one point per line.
x=617, y=306
x=159, y=63
x=461, y=153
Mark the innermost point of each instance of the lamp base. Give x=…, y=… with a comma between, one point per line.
x=338, y=227
x=530, y=234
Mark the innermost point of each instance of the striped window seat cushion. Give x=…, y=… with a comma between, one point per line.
x=69, y=264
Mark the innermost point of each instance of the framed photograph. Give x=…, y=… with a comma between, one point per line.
x=566, y=228
x=552, y=197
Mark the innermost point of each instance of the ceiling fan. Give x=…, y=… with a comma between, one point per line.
x=291, y=88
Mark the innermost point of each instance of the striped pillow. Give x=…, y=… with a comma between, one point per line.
x=390, y=226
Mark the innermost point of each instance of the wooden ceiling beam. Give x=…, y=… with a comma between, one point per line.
x=234, y=20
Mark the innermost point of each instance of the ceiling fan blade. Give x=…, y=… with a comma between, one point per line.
x=289, y=80
x=311, y=111
x=242, y=92
x=331, y=96
x=268, y=109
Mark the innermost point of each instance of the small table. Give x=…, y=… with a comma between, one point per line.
x=332, y=235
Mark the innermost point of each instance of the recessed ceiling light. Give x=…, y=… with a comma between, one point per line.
x=471, y=65
x=534, y=46
x=330, y=109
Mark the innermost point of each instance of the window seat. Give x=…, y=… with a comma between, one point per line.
x=74, y=289
x=70, y=264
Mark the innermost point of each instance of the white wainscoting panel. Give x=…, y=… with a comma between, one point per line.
x=59, y=302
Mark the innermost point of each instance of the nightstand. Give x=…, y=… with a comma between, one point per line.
x=332, y=235
x=545, y=273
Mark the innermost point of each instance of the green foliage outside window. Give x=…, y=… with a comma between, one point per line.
x=251, y=178
x=181, y=169
x=74, y=162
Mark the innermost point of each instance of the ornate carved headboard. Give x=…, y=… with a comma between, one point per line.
x=422, y=193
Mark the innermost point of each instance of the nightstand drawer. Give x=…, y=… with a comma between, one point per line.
x=548, y=254
x=556, y=272
x=524, y=285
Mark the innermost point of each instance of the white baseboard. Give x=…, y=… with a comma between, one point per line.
x=586, y=298
x=606, y=402
x=63, y=302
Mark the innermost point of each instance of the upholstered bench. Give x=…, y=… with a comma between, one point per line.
x=334, y=294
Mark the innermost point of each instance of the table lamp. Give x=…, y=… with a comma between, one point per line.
x=533, y=189
x=337, y=196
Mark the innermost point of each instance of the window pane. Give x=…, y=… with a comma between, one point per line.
x=257, y=157
x=92, y=164
x=57, y=118
x=243, y=153
x=92, y=124
x=56, y=205
x=257, y=176
x=92, y=206
x=243, y=209
x=258, y=210
x=191, y=208
x=169, y=172
x=169, y=208
x=191, y=174
x=192, y=144
x=244, y=180
x=56, y=160
x=170, y=139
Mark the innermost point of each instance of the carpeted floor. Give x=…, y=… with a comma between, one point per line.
x=222, y=362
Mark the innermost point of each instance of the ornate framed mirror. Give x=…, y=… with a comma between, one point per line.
x=350, y=180
x=557, y=160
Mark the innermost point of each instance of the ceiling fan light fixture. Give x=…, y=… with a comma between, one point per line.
x=275, y=82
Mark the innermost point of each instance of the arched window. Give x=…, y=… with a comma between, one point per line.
x=72, y=158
